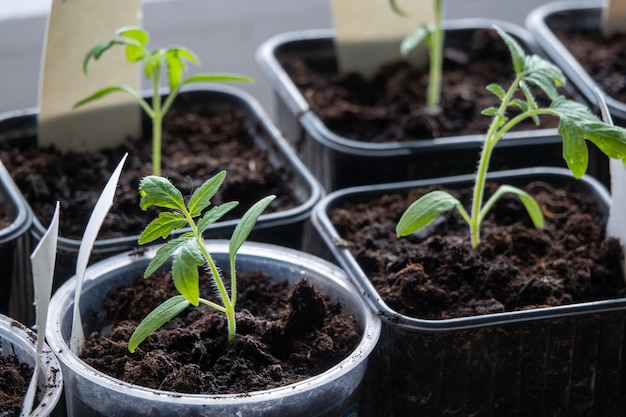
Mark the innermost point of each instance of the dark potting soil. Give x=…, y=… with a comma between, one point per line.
x=390, y=107
x=14, y=380
x=284, y=334
x=195, y=147
x=604, y=58
x=515, y=267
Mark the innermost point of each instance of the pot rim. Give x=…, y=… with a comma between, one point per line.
x=536, y=22
x=61, y=302
x=329, y=234
x=17, y=334
x=298, y=106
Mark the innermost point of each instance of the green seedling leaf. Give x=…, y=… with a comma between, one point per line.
x=96, y=52
x=396, y=9
x=424, y=211
x=201, y=197
x=162, y=226
x=496, y=90
x=157, y=318
x=134, y=33
x=490, y=111
x=164, y=253
x=217, y=78
x=410, y=42
x=160, y=192
x=185, y=271
x=531, y=205
x=247, y=222
x=105, y=92
x=175, y=68
x=214, y=215
x=516, y=51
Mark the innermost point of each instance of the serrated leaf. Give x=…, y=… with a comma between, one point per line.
x=162, y=226
x=424, y=211
x=201, y=197
x=496, y=90
x=164, y=253
x=217, y=78
x=214, y=215
x=160, y=192
x=157, y=318
x=517, y=52
x=185, y=271
x=246, y=224
x=412, y=40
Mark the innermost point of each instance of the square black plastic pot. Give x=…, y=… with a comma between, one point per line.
x=16, y=285
x=340, y=162
x=574, y=16
x=497, y=364
x=286, y=227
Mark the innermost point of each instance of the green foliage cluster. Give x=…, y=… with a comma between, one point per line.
x=173, y=60
x=576, y=126
x=189, y=251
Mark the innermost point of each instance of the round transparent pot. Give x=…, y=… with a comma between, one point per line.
x=16, y=339
x=92, y=393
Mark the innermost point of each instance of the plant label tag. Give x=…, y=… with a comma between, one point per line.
x=614, y=17
x=100, y=210
x=616, y=225
x=43, y=260
x=369, y=32
x=74, y=27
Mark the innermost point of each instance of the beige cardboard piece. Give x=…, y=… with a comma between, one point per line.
x=74, y=27
x=368, y=32
x=614, y=17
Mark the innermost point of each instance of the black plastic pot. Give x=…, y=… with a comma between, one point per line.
x=497, y=364
x=16, y=285
x=340, y=162
x=574, y=16
x=285, y=227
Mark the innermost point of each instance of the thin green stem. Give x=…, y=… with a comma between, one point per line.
x=436, y=59
x=157, y=121
x=485, y=157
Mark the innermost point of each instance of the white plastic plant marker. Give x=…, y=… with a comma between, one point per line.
x=74, y=27
x=84, y=252
x=616, y=224
x=614, y=17
x=43, y=260
x=369, y=32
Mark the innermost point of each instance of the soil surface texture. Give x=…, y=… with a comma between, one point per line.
x=391, y=106
x=603, y=58
x=284, y=334
x=515, y=267
x=14, y=380
x=195, y=147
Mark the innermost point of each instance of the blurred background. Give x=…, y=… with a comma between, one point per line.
x=223, y=33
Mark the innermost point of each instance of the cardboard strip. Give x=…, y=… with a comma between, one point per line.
x=369, y=32
x=74, y=27
x=614, y=17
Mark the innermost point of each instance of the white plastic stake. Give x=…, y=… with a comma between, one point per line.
x=84, y=252
x=369, y=32
x=74, y=27
x=614, y=17
x=43, y=260
x=616, y=224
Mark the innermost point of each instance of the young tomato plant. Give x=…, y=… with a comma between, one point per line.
x=173, y=60
x=188, y=250
x=432, y=35
x=576, y=124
